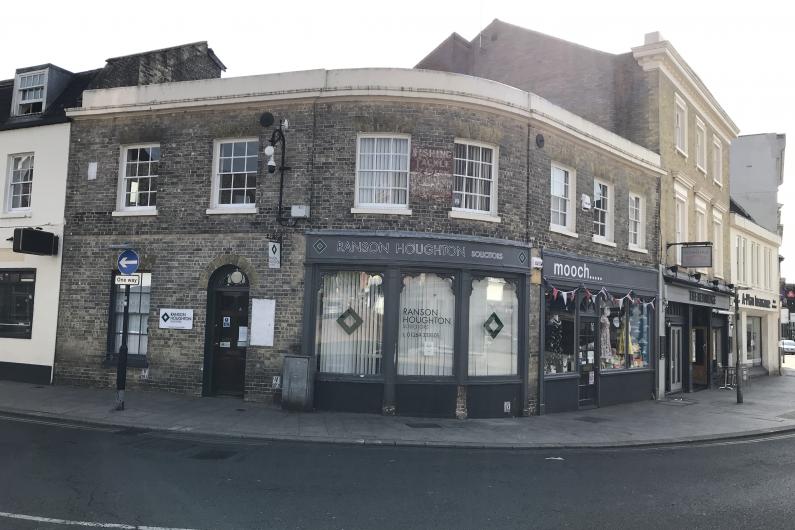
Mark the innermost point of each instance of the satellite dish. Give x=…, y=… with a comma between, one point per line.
x=267, y=119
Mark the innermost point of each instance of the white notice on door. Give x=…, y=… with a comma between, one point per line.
x=242, y=335
x=591, y=377
x=428, y=348
x=263, y=316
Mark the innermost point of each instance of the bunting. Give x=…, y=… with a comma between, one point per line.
x=591, y=298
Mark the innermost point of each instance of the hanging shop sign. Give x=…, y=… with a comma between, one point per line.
x=390, y=247
x=580, y=270
x=176, y=318
x=696, y=256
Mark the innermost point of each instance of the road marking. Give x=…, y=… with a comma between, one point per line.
x=90, y=524
x=21, y=419
x=554, y=458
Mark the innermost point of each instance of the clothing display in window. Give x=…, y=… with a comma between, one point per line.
x=605, y=352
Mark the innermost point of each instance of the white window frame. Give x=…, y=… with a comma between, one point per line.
x=10, y=183
x=680, y=222
x=17, y=97
x=680, y=143
x=121, y=208
x=400, y=209
x=640, y=246
x=701, y=225
x=717, y=244
x=215, y=206
x=570, y=228
x=607, y=239
x=495, y=153
x=717, y=160
x=766, y=269
x=701, y=146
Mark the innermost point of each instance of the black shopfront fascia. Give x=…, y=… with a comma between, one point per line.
x=566, y=272
x=393, y=255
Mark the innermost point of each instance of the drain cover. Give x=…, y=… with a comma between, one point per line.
x=214, y=454
x=591, y=419
x=420, y=425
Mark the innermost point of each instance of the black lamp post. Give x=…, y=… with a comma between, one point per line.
x=278, y=138
x=738, y=375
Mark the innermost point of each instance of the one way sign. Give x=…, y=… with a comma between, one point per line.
x=128, y=261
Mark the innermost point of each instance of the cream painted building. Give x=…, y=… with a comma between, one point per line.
x=755, y=266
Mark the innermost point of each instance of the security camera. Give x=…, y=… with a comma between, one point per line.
x=271, y=165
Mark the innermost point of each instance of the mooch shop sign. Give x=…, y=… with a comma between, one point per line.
x=410, y=247
x=597, y=273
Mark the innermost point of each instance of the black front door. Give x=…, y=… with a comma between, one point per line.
x=227, y=333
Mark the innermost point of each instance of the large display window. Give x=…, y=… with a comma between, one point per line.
x=493, y=327
x=349, y=322
x=559, y=352
x=426, y=333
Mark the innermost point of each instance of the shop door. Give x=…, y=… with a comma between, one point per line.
x=586, y=360
x=227, y=322
x=700, y=357
x=675, y=359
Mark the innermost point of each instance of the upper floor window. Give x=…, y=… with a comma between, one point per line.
x=680, y=220
x=701, y=146
x=562, y=191
x=602, y=211
x=139, y=170
x=680, y=125
x=235, y=180
x=637, y=226
x=382, y=171
x=20, y=182
x=474, y=177
x=717, y=245
x=717, y=161
x=30, y=93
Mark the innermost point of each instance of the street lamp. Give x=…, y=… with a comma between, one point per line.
x=277, y=138
x=738, y=386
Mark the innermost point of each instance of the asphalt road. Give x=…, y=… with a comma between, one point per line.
x=128, y=477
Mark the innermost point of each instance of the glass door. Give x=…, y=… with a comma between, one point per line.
x=675, y=359
x=586, y=360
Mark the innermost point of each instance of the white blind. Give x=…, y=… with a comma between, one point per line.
x=493, y=327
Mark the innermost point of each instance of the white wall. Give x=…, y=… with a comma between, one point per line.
x=50, y=145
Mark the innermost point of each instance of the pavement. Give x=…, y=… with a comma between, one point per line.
x=769, y=407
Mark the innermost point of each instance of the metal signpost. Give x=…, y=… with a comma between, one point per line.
x=127, y=264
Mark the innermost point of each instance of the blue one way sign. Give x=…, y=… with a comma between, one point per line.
x=128, y=261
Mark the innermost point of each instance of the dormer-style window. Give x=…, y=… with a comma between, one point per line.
x=31, y=90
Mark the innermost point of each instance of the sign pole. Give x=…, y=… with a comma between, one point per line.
x=121, y=365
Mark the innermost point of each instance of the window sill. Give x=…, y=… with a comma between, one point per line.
x=603, y=241
x=562, y=230
x=473, y=216
x=16, y=215
x=133, y=213
x=638, y=249
x=231, y=211
x=679, y=150
x=717, y=183
x=702, y=169
x=382, y=211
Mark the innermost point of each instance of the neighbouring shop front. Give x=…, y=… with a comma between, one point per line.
x=759, y=325
x=597, y=331
x=417, y=324
x=697, y=336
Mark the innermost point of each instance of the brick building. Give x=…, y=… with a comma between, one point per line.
x=409, y=282
x=651, y=96
x=34, y=147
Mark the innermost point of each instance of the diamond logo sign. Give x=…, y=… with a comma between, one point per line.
x=320, y=246
x=493, y=325
x=165, y=317
x=522, y=257
x=349, y=321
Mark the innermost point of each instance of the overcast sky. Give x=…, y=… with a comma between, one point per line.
x=743, y=52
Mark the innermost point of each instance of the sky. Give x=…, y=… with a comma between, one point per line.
x=743, y=52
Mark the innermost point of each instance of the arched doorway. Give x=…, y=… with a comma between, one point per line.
x=226, y=332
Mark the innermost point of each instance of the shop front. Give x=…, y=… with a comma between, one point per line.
x=597, y=331
x=417, y=324
x=697, y=336
x=759, y=325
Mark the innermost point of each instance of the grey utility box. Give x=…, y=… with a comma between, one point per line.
x=297, y=382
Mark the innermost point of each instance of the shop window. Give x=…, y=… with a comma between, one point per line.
x=639, y=335
x=16, y=303
x=137, y=317
x=20, y=182
x=559, y=334
x=382, y=172
x=753, y=340
x=493, y=327
x=613, y=337
x=236, y=173
x=350, y=320
x=427, y=325
x=474, y=178
x=139, y=171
